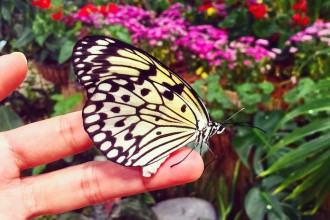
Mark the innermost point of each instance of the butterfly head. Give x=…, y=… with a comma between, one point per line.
x=220, y=128
x=216, y=128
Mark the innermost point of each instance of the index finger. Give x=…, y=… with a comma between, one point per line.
x=13, y=69
x=48, y=140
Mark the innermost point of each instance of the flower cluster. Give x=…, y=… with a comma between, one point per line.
x=56, y=12
x=310, y=47
x=203, y=42
x=300, y=17
x=210, y=44
x=319, y=30
x=206, y=42
x=94, y=15
x=213, y=9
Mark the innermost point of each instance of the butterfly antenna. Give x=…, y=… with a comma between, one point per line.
x=245, y=125
x=224, y=122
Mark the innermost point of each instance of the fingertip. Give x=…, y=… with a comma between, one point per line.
x=186, y=171
x=13, y=69
x=21, y=55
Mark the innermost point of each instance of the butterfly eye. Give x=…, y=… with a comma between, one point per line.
x=138, y=111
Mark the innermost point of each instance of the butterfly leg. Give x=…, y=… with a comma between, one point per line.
x=196, y=144
x=214, y=156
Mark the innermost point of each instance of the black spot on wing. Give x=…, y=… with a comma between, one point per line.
x=115, y=109
x=168, y=95
x=128, y=136
x=183, y=108
x=120, y=123
x=145, y=91
x=125, y=98
x=177, y=88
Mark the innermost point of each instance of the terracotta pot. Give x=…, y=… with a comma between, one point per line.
x=55, y=73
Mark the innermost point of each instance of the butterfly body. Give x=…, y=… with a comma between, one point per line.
x=138, y=111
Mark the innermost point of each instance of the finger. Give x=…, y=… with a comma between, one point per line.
x=95, y=182
x=13, y=69
x=46, y=141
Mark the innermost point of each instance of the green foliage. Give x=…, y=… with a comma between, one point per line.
x=133, y=208
x=215, y=96
x=252, y=94
x=225, y=200
x=38, y=169
x=64, y=105
x=44, y=38
x=9, y=119
x=297, y=153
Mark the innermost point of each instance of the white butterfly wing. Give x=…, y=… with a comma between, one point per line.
x=138, y=111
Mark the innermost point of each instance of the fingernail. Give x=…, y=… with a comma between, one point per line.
x=20, y=54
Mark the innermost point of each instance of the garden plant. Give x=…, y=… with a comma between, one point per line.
x=271, y=58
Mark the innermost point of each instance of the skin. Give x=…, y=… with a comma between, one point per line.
x=76, y=186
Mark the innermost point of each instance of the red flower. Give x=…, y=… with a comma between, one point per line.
x=86, y=10
x=57, y=16
x=43, y=4
x=258, y=10
x=296, y=18
x=303, y=21
x=103, y=10
x=112, y=8
x=300, y=6
x=204, y=7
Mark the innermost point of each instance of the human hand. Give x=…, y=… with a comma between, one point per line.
x=76, y=186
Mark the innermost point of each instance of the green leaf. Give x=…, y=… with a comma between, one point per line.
x=64, y=105
x=316, y=179
x=38, y=169
x=24, y=39
x=311, y=107
x=132, y=208
x=264, y=28
x=255, y=206
x=5, y=13
x=266, y=87
x=147, y=198
x=243, y=146
x=68, y=159
x=66, y=51
x=9, y=119
x=300, y=133
x=197, y=86
x=302, y=172
x=305, y=87
x=300, y=154
x=217, y=114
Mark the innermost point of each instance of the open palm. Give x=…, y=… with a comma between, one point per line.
x=76, y=186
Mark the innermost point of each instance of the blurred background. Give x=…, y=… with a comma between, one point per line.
x=270, y=57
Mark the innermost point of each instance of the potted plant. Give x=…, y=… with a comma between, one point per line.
x=47, y=39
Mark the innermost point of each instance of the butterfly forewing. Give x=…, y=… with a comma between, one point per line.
x=138, y=111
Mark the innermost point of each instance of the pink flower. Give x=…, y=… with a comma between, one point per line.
x=293, y=49
x=262, y=42
x=247, y=62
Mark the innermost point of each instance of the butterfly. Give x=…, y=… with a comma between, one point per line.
x=138, y=110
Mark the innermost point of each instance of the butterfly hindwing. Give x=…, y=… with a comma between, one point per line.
x=131, y=124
